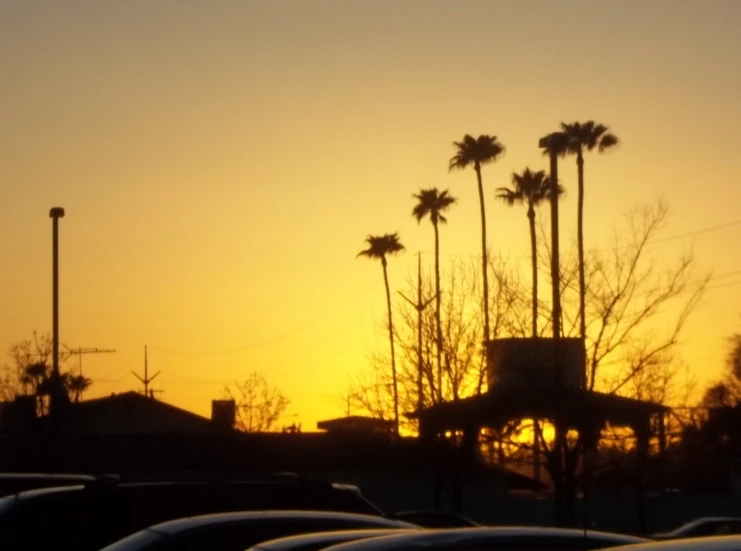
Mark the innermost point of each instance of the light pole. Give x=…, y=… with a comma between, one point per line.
x=55, y=214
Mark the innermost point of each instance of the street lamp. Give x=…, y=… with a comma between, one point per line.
x=55, y=214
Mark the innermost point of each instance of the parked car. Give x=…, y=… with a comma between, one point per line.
x=715, y=543
x=13, y=483
x=703, y=527
x=319, y=540
x=92, y=516
x=434, y=519
x=239, y=531
x=490, y=539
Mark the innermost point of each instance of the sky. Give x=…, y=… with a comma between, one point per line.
x=220, y=164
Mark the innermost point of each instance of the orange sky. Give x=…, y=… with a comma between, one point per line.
x=221, y=163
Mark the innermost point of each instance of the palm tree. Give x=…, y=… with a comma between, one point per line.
x=433, y=202
x=76, y=384
x=531, y=189
x=584, y=137
x=476, y=152
x=380, y=246
x=554, y=146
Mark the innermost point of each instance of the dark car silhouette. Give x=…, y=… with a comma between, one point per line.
x=514, y=538
x=703, y=527
x=13, y=483
x=239, y=531
x=434, y=519
x=92, y=516
x=315, y=541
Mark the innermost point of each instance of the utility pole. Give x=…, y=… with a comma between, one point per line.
x=79, y=351
x=55, y=214
x=420, y=306
x=147, y=379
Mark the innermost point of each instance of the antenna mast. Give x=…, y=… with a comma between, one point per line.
x=420, y=306
x=79, y=351
x=146, y=379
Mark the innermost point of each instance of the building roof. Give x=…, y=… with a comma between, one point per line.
x=132, y=413
x=356, y=423
x=501, y=405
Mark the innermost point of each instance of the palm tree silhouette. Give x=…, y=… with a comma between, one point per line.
x=433, y=202
x=529, y=188
x=379, y=247
x=584, y=137
x=76, y=384
x=554, y=146
x=476, y=152
x=35, y=375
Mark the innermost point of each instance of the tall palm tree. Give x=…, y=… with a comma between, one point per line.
x=554, y=146
x=433, y=202
x=476, y=152
x=530, y=188
x=584, y=137
x=379, y=247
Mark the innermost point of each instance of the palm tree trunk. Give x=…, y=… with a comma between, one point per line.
x=580, y=244
x=437, y=311
x=534, y=259
x=484, y=258
x=391, y=341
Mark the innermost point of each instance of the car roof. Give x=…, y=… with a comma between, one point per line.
x=710, y=519
x=332, y=487
x=45, y=476
x=454, y=536
x=716, y=543
x=694, y=523
x=172, y=527
x=52, y=490
x=289, y=542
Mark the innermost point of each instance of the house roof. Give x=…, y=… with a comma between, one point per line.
x=132, y=413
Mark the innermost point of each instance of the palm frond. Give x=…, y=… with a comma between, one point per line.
x=476, y=151
x=381, y=245
x=588, y=136
x=432, y=202
x=608, y=141
x=555, y=143
x=509, y=196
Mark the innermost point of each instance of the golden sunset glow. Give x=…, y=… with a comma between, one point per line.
x=221, y=163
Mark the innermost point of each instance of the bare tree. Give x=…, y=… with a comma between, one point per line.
x=29, y=371
x=463, y=365
x=726, y=392
x=259, y=406
x=627, y=286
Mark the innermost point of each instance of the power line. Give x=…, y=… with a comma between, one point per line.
x=281, y=336
x=272, y=339
x=699, y=231
x=122, y=366
x=707, y=229
x=185, y=379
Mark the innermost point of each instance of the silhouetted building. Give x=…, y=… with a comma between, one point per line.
x=142, y=438
x=356, y=425
x=224, y=412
